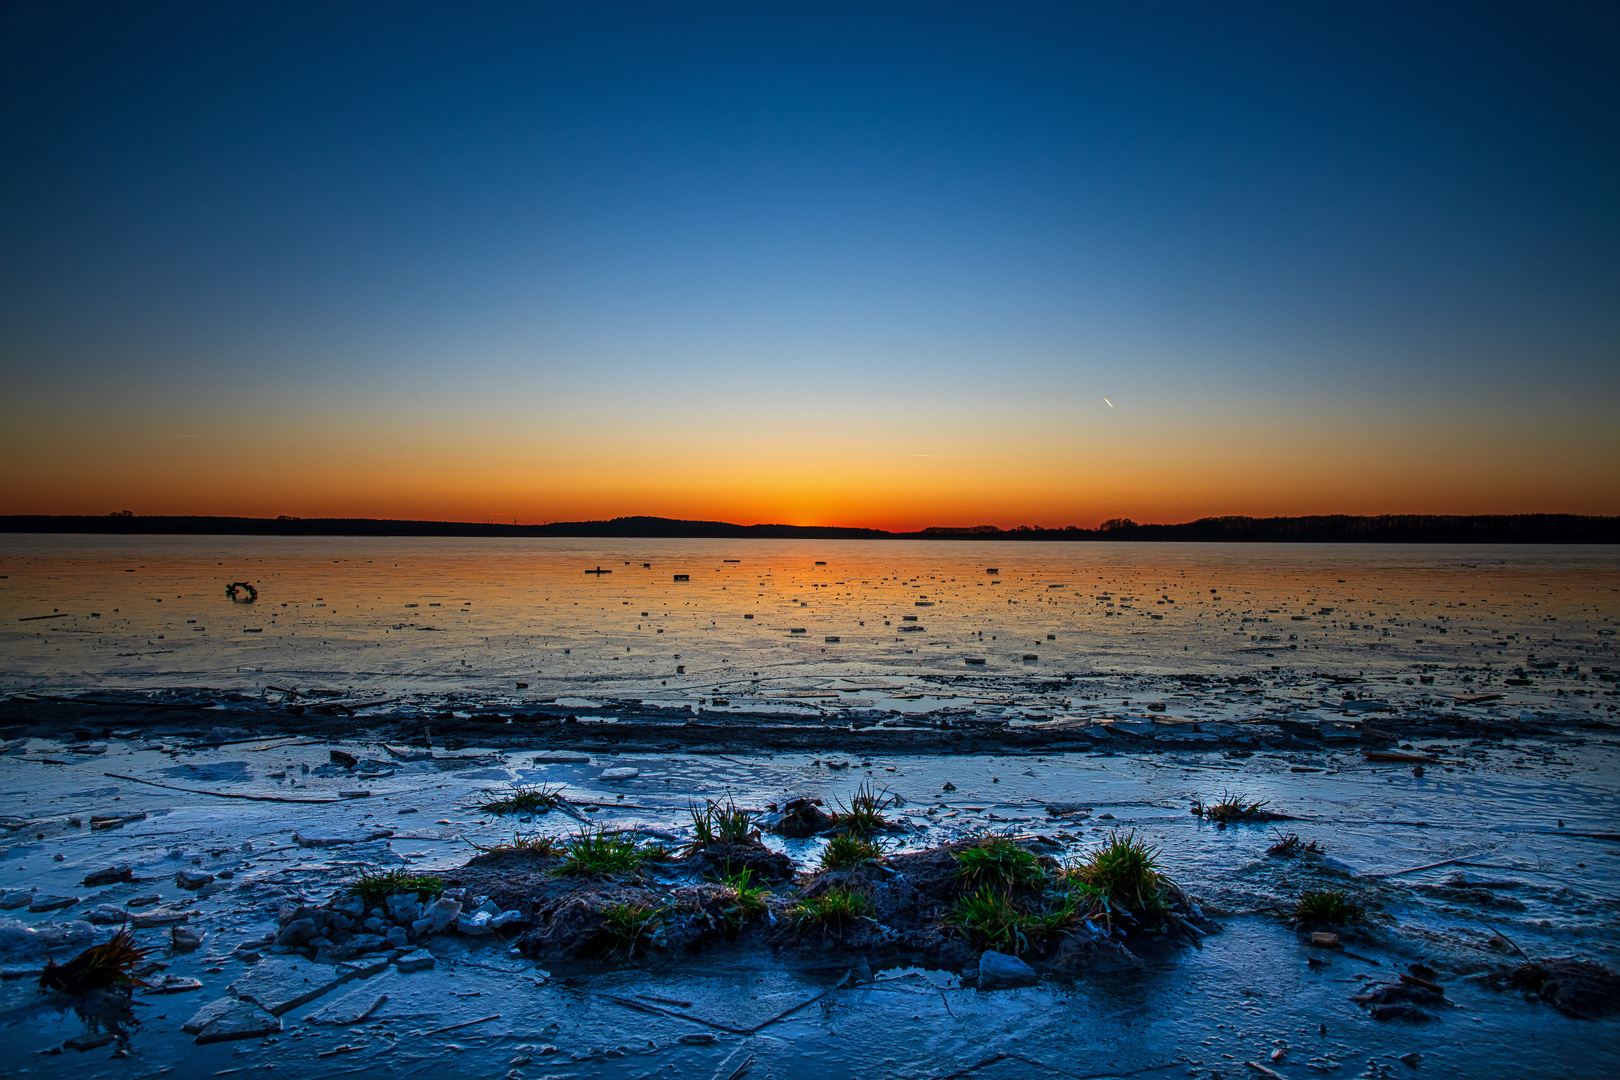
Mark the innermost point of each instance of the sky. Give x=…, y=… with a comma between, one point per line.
x=881, y=264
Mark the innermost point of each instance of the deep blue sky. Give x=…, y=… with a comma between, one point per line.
x=825, y=261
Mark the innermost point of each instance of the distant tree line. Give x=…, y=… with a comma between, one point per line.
x=1330, y=528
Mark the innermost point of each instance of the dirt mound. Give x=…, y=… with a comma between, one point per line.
x=1578, y=988
x=767, y=865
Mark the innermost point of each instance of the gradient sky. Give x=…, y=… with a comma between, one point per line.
x=821, y=263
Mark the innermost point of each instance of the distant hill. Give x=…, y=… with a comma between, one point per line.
x=1335, y=528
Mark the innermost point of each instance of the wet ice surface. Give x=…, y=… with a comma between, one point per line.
x=456, y=625
x=1246, y=992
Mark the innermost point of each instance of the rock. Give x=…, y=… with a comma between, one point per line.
x=1412, y=1060
x=106, y=915
x=416, y=960
x=404, y=908
x=51, y=903
x=88, y=1042
x=115, y=821
x=348, y=761
x=12, y=899
x=279, y=984
x=621, y=772
x=1323, y=940
x=561, y=757
x=110, y=876
x=801, y=818
x=442, y=914
x=296, y=933
x=1087, y=950
x=174, y=984
x=192, y=879
x=1400, y=1011
x=352, y=906
x=232, y=1020
x=219, y=735
x=998, y=971
x=397, y=937
x=182, y=940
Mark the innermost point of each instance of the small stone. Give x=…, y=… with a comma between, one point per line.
x=192, y=879
x=106, y=915
x=88, y=1042
x=998, y=971
x=174, y=984
x=182, y=940
x=348, y=761
x=1324, y=940
x=1412, y=1060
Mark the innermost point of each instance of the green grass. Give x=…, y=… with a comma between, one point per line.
x=624, y=926
x=864, y=814
x=1123, y=875
x=833, y=909
x=525, y=800
x=375, y=886
x=596, y=851
x=999, y=863
x=744, y=900
x=1327, y=906
x=1232, y=808
x=535, y=844
x=720, y=823
x=849, y=851
x=992, y=919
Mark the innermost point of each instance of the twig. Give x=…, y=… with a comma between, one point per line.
x=748, y=1063
x=1415, y=869
x=785, y=1013
x=1507, y=939
x=467, y=1023
x=220, y=794
x=643, y=1007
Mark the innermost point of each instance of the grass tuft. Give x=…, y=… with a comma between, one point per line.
x=624, y=926
x=999, y=863
x=744, y=900
x=535, y=843
x=526, y=800
x=375, y=886
x=112, y=963
x=991, y=919
x=1123, y=875
x=849, y=851
x=720, y=823
x=832, y=910
x=1289, y=844
x=1232, y=808
x=597, y=851
x=864, y=814
x=1327, y=906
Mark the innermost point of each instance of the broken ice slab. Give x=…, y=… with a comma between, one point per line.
x=561, y=757
x=415, y=960
x=318, y=837
x=355, y=1007
x=280, y=983
x=228, y=1018
x=174, y=984
x=145, y=920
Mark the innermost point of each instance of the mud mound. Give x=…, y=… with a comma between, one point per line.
x=766, y=865
x=1578, y=988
